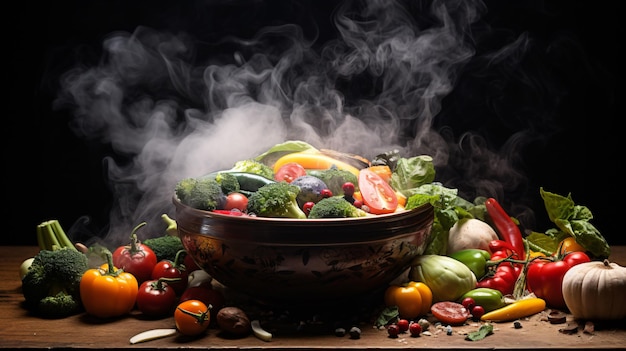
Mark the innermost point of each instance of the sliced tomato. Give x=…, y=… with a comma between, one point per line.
x=449, y=312
x=377, y=194
x=289, y=171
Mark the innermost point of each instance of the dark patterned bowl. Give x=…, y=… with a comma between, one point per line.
x=272, y=259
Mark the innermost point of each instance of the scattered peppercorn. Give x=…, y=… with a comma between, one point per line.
x=340, y=332
x=355, y=333
x=517, y=325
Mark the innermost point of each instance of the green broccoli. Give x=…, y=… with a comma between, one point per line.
x=165, y=247
x=253, y=166
x=228, y=182
x=335, y=207
x=51, y=287
x=276, y=200
x=334, y=178
x=201, y=193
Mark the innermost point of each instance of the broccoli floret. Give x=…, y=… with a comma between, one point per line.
x=335, y=207
x=201, y=193
x=228, y=182
x=276, y=200
x=165, y=247
x=334, y=178
x=51, y=287
x=253, y=166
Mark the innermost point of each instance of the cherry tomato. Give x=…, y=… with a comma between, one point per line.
x=156, y=298
x=192, y=317
x=236, y=200
x=449, y=312
x=393, y=330
x=403, y=325
x=307, y=206
x=169, y=269
x=468, y=303
x=477, y=312
x=206, y=294
x=348, y=188
x=415, y=329
x=377, y=194
x=326, y=193
x=289, y=171
x=135, y=258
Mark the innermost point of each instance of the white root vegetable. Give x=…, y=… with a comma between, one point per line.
x=470, y=233
x=259, y=332
x=152, y=334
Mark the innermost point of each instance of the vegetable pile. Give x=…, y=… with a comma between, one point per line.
x=478, y=264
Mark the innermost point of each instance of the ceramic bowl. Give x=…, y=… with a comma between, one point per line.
x=304, y=260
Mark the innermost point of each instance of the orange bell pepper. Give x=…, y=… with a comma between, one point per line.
x=412, y=299
x=108, y=291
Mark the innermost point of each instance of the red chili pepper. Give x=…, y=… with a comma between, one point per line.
x=502, y=246
x=508, y=230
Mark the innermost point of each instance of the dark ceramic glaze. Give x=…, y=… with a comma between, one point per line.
x=275, y=259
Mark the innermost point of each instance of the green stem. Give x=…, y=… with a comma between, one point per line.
x=172, y=226
x=61, y=236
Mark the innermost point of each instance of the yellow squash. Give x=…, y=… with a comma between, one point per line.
x=314, y=160
x=516, y=310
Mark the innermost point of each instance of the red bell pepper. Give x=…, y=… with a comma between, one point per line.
x=545, y=276
x=508, y=230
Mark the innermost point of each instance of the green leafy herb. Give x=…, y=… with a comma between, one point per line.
x=482, y=332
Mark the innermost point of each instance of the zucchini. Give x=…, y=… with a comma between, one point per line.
x=248, y=182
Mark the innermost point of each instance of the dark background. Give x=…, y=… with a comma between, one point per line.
x=51, y=173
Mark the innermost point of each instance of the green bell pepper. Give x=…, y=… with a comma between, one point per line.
x=490, y=299
x=474, y=259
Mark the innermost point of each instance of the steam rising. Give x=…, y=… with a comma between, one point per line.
x=170, y=110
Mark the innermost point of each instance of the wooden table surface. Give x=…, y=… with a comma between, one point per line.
x=20, y=330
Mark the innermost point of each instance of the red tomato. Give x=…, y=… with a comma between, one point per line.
x=545, y=278
x=135, y=258
x=449, y=312
x=192, y=317
x=377, y=194
x=236, y=201
x=206, y=294
x=289, y=171
x=169, y=269
x=156, y=298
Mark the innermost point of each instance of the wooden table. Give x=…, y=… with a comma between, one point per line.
x=20, y=330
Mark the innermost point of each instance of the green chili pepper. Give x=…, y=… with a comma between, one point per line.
x=490, y=299
x=474, y=259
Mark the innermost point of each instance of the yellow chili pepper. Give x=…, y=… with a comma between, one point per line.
x=314, y=160
x=516, y=310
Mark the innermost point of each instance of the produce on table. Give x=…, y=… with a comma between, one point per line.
x=192, y=317
x=259, y=332
x=474, y=259
x=412, y=299
x=470, y=233
x=450, y=313
x=233, y=321
x=165, y=247
x=207, y=294
x=515, y=310
x=276, y=200
x=447, y=278
x=155, y=298
x=51, y=279
x=489, y=299
x=335, y=207
x=135, y=258
x=108, y=291
x=152, y=334
x=544, y=276
x=502, y=276
x=236, y=201
x=507, y=229
x=595, y=290
x=173, y=270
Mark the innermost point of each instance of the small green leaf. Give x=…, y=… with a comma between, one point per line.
x=481, y=333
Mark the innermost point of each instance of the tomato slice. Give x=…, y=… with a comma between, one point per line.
x=377, y=194
x=449, y=312
x=289, y=171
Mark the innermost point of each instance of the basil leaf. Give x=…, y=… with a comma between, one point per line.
x=481, y=333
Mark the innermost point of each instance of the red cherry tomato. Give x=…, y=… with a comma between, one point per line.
x=156, y=298
x=477, y=312
x=289, y=171
x=135, y=258
x=169, y=269
x=415, y=329
x=206, y=294
x=236, y=201
x=377, y=194
x=403, y=325
x=449, y=312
